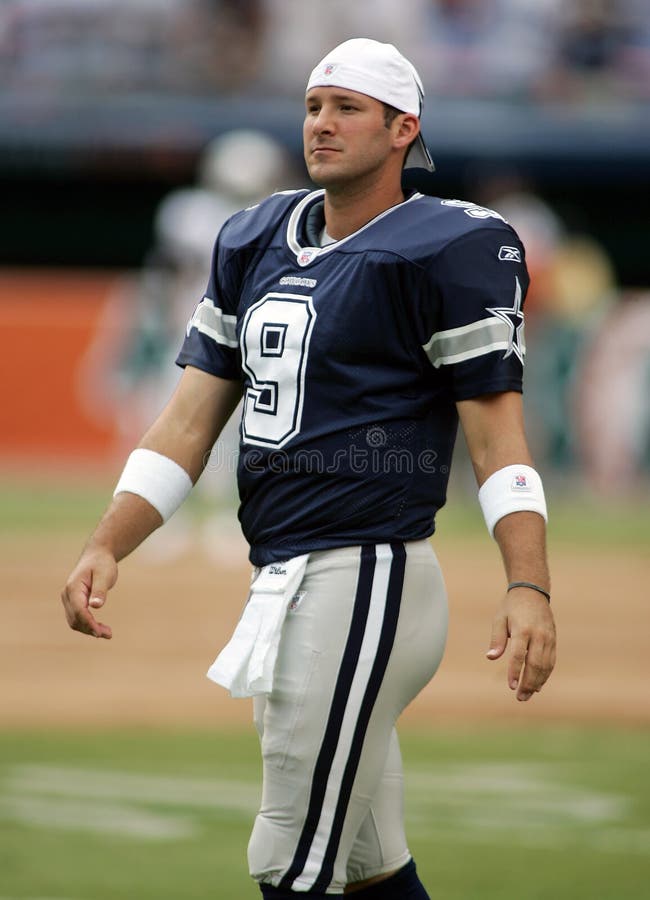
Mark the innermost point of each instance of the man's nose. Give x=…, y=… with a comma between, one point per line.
x=322, y=122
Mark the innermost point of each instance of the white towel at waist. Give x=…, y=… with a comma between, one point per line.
x=245, y=665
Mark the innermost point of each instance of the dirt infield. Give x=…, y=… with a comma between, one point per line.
x=171, y=615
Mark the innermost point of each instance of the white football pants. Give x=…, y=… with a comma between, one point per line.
x=365, y=633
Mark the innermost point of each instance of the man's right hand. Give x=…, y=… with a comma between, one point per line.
x=86, y=589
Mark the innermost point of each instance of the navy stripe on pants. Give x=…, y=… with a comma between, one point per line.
x=337, y=711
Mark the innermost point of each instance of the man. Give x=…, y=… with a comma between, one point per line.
x=360, y=324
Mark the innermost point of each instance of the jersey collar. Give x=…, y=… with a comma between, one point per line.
x=306, y=254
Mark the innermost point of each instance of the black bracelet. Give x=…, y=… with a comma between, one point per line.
x=528, y=584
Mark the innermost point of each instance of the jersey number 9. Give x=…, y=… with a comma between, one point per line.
x=275, y=340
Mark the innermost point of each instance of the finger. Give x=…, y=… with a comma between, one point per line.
x=78, y=614
x=538, y=667
x=81, y=619
x=499, y=637
x=519, y=646
x=102, y=630
x=101, y=582
x=87, y=624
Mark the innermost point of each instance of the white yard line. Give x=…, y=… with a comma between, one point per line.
x=102, y=818
x=509, y=796
x=626, y=841
x=170, y=791
x=525, y=804
x=112, y=802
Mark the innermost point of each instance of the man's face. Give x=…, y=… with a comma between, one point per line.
x=344, y=136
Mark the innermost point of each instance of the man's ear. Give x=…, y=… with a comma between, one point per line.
x=408, y=128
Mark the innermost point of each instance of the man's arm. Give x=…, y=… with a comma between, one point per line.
x=185, y=432
x=494, y=431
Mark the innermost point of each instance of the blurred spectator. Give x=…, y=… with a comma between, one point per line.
x=634, y=55
x=484, y=48
x=216, y=46
x=591, y=36
x=121, y=46
x=612, y=406
x=512, y=49
x=588, y=50
x=572, y=288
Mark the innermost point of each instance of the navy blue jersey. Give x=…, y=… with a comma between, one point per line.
x=352, y=358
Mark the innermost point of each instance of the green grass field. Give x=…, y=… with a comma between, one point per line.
x=491, y=814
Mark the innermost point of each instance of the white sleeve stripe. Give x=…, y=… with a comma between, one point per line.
x=467, y=342
x=216, y=336
x=469, y=354
x=211, y=321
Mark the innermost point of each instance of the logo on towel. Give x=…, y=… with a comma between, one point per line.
x=295, y=601
x=277, y=570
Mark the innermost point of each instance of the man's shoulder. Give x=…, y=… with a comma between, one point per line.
x=259, y=221
x=446, y=220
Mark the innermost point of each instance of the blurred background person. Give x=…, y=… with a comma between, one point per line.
x=114, y=47
x=611, y=403
x=572, y=286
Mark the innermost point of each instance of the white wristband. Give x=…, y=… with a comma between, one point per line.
x=511, y=489
x=157, y=478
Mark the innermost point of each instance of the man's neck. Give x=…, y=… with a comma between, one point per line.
x=347, y=211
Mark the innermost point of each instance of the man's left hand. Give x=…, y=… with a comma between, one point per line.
x=525, y=618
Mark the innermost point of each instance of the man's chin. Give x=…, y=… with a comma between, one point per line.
x=327, y=177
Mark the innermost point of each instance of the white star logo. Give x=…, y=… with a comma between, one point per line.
x=514, y=319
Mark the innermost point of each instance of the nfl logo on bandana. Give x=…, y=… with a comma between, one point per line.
x=520, y=483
